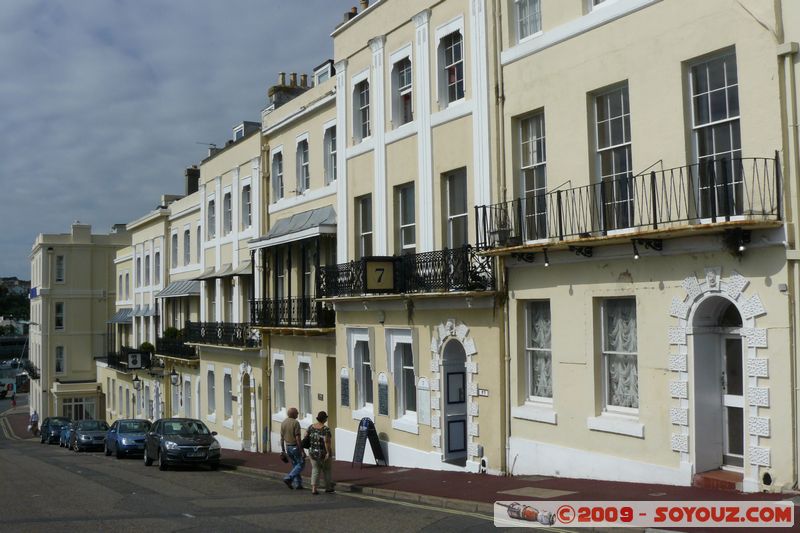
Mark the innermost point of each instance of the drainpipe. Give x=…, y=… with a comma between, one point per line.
x=791, y=165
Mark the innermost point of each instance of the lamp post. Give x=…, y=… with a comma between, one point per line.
x=173, y=377
x=137, y=383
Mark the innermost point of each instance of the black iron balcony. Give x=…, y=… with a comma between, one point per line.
x=459, y=269
x=222, y=333
x=175, y=347
x=746, y=190
x=293, y=313
x=119, y=360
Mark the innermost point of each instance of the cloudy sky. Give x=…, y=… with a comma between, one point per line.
x=102, y=102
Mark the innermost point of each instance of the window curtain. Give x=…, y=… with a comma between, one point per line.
x=623, y=375
x=541, y=360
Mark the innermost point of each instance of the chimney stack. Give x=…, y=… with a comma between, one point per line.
x=364, y=4
x=304, y=80
x=192, y=179
x=281, y=78
x=293, y=79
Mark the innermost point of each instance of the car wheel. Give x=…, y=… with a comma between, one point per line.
x=76, y=447
x=162, y=462
x=147, y=460
x=213, y=466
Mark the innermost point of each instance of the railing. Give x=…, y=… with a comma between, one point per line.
x=712, y=191
x=222, y=333
x=293, y=313
x=119, y=360
x=175, y=347
x=459, y=269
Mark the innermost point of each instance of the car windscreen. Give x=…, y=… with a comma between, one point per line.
x=184, y=428
x=92, y=425
x=138, y=426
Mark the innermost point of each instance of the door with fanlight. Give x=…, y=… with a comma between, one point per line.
x=455, y=403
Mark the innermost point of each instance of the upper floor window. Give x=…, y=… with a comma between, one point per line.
x=211, y=220
x=60, y=362
x=533, y=175
x=227, y=214
x=59, y=268
x=716, y=134
x=157, y=267
x=59, y=315
x=187, y=247
x=174, y=251
x=364, y=212
x=127, y=285
x=147, y=270
x=452, y=67
x=402, y=111
x=277, y=175
x=330, y=154
x=361, y=127
x=364, y=388
x=246, y=207
x=406, y=219
x=538, y=360
x=120, y=294
x=620, y=361
x=138, y=271
x=613, y=156
x=529, y=18
x=303, y=174
x=456, y=209
x=199, y=243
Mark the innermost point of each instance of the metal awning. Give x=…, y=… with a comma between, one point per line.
x=176, y=289
x=207, y=274
x=243, y=269
x=123, y=316
x=224, y=271
x=137, y=311
x=299, y=226
x=149, y=310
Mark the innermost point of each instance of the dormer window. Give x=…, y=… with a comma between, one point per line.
x=238, y=133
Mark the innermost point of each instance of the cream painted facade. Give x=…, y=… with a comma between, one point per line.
x=705, y=382
x=73, y=290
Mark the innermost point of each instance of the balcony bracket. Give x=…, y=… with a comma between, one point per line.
x=526, y=257
x=585, y=251
x=652, y=244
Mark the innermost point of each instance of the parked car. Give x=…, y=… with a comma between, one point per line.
x=51, y=428
x=174, y=441
x=67, y=430
x=89, y=434
x=126, y=437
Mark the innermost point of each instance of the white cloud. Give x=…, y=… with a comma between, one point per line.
x=102, y=101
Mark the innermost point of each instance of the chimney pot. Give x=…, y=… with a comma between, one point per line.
x=293, y=79
x=304, y=80
x=281, y=78
x=364, y=4
x=354, y=10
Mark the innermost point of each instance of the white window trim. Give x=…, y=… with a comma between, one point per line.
x=515, y=20
x=618, y=423
x=298, y=139
x=63, y=270
x=325, y=154
x=535, y=411
x=536, y=400
x=278, y=150
x=211, y=417
x=63, y=326
x=64, y=360
x=245, y=182
x=228, y=189
x=628, y=413
x=281, y=414
x=405, y=52
x=364, y=75
x=407, y=423
x=454, y=25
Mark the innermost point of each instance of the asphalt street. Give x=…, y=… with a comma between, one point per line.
x=47, y=488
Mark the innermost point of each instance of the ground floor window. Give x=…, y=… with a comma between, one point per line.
x=79, y=408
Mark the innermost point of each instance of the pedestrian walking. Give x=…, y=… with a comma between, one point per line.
x=34, y=423
x=291, y=446
x=13, y=399
x=319, y=438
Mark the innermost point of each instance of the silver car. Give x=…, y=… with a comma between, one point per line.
x=89, y=434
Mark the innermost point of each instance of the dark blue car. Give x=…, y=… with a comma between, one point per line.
x=126, y=437
x=51, y=428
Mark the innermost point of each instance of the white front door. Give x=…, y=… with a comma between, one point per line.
x=455, y=403
x=732, y=402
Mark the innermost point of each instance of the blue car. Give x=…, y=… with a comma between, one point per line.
x=126, y=437
x=67, y=431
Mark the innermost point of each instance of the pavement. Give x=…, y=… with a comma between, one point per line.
x=457, y=491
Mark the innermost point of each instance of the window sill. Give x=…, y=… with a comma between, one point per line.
x=536, y=412
x=614, y=423
x=358, y=414
x=306, y=421
x=212, y=418
x=530, y=37
x=228, y=423
x=280, y=416
x=406, y=423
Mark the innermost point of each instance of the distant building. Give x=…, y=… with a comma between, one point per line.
x=15, y=285
x=72, y=296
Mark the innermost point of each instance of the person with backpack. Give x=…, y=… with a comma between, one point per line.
x=319, y=449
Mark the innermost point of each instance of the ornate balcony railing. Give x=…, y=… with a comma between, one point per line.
x=293, y=313
x=713, y=191
x=459, y=269
x=223, y=333
x=175, y=347
x=119, y=360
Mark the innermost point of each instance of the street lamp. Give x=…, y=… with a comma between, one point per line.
x=137, y=383
x=173, y=377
